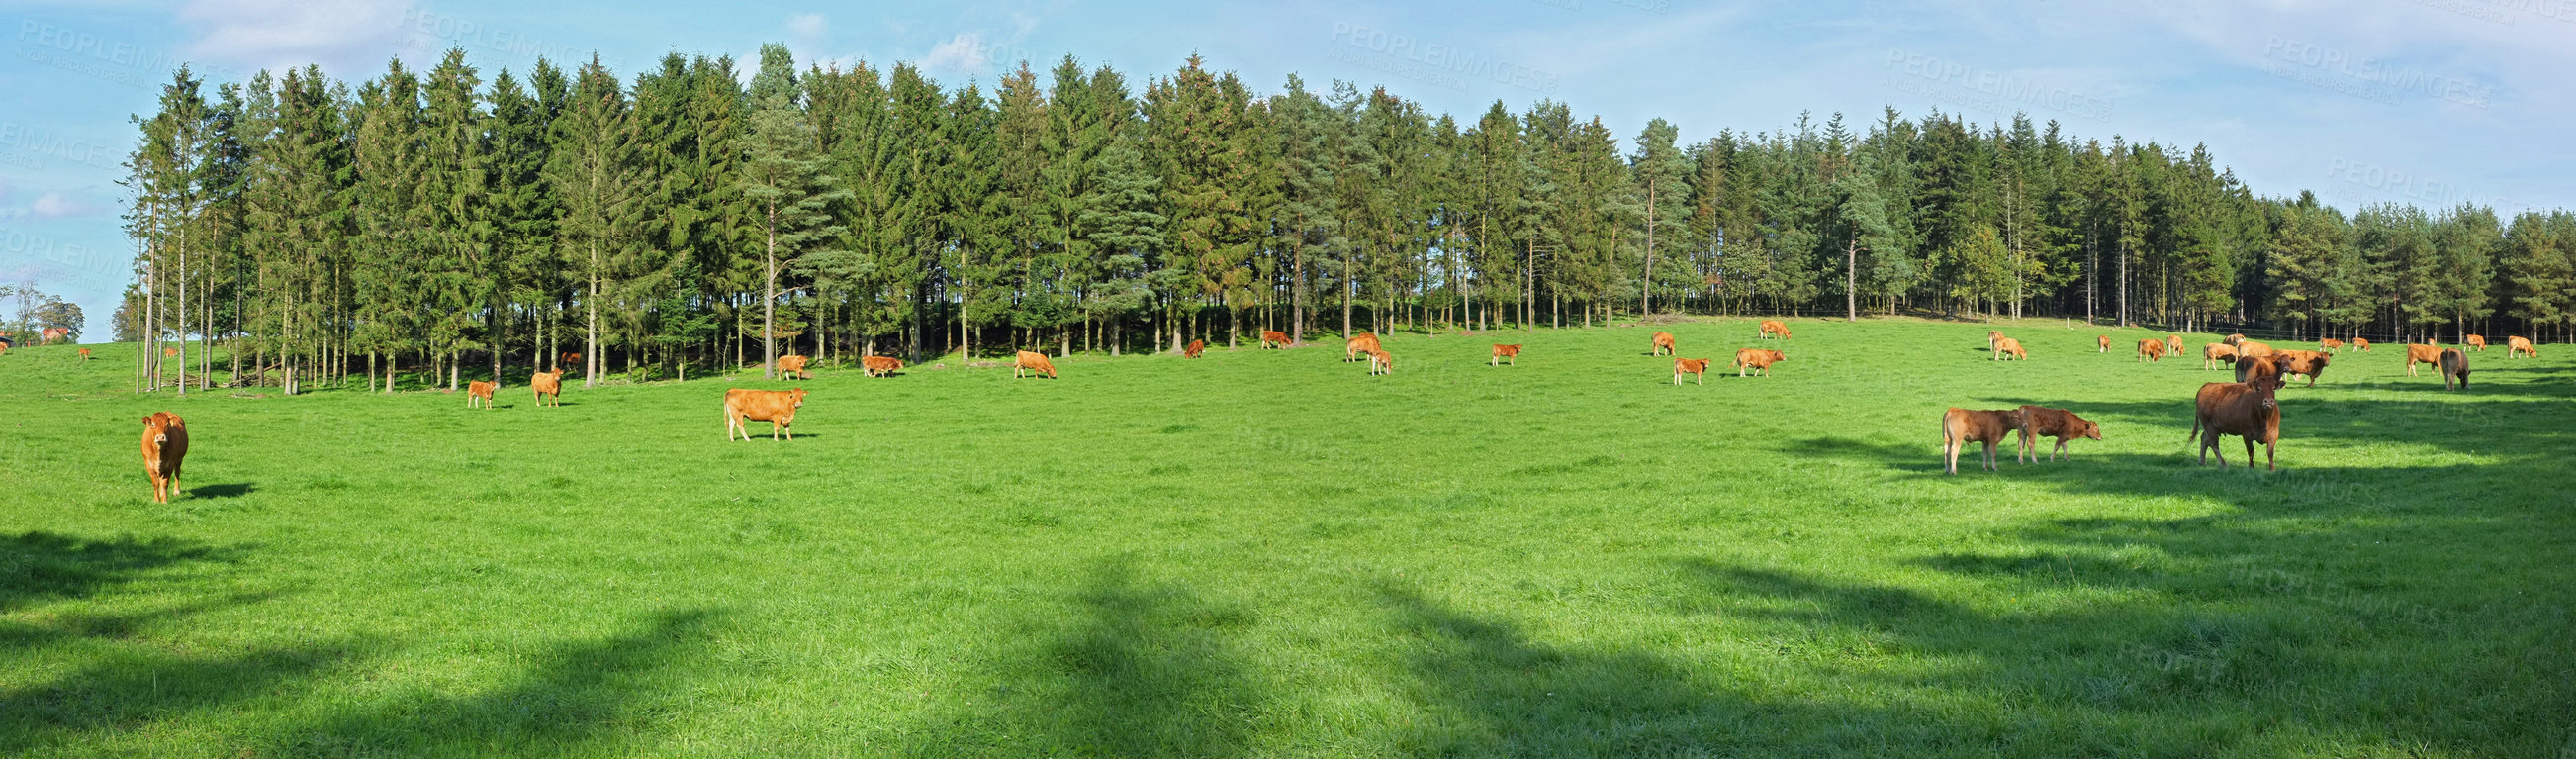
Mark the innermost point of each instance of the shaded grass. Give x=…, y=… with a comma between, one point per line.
x=1271, y=553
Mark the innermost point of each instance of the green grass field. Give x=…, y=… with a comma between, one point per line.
x=1271, y=553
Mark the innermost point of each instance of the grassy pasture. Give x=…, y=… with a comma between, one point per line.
x=1269, y=553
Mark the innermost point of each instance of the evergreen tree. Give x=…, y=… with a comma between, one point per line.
x=784, y=182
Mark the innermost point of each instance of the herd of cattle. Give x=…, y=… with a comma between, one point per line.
x=2247, y=408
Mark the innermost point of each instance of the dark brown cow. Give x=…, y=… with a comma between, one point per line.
x=2010, y=347
x=1757, y=359
x=2105, y=340
x=2311, y=363
x=1663, y=345
x=2211, y=355
x=1034, y=364
x=1697, y=368
x=1502, y=352
x=2251, y=368
x=777, y=407
x=2455, y=365
x=2055, y=423
x=165, y=443
x=2513, y=345
x=1959, y=427
x=1380, y=362
x=480, y=392
x=2361, y=344
x=2244, y=409
x=1773, y=327
x=792, y=366
x=1271, y=338
x=2417, y=353
x=2152, y=351
x=1195, y=348
x=879, y=366
x=2330, y=344
x=1358, y=344
x=548, y=387
x=2477, y=342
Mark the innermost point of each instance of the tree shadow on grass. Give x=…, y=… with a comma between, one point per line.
x=136, y=687
x=41, y=565
x=232, y=490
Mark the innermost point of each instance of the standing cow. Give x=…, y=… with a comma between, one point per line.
x=879, y=366
x=2173, y=345
x=2417, y=353
x=1663, y=345
x=479, y=392
x=1271, y=338
x=2010, y=347
x=2329, y=344
x=1697, y=368
x=84, y=354
x=777, y=407
x=1756, y=359
x=2248, y=409
x=1381, y=362
x=2477, y=342
x=2361, y=344
x=1358, y=344
x=1503, y=352
x=165, y=443
x=1959, y=427
x=1773, y=327
x=2455, y=365
x=794, y=367
x=1033, y=364
x=2151, y=351
x=547, y=386
x=2105, y=341
x=2514, y=345
x=2212, y=354
x=2058, y=423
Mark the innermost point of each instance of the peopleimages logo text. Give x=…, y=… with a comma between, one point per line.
x=1448, y=58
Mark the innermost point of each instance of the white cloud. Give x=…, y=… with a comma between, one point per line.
x=55, y=205
x=348, y=35
x=811, y=26
x=964, y=53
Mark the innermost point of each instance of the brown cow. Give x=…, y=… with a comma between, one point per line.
x=1773, y=327
x=2513, y=345
x=1358, y=344
x=2057, y=423
x=1959, y=427
x=1195, y=348
x=568, y=358
x=1034, y=364
x=1380, y=362
x=1994, y=339
x=2211, y=355
x=2010, y=347
x=2251, y=349
x=2417, y=353
x=879, y=366
x=2235, y=339
x=2251, y=368
x=84, y=354
x=1501, y=352
x=1756, y=358
x=2330, y=344
x=1663, y=345
x=547, y=386
x=2455, y=365
x=1271, y=338
x=2151, y=351
x=2311, y=363
x=793, y=366
x=2173, y=345
x=2361, y=344
x=165, y=443
x=777, y=407
x=480, y=392
x=1697, y=368
x=2247, y=409
x=2105, y=340
x=169, y=353
x=2478, y=342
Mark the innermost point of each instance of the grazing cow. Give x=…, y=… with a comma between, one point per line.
x=2105, y=340
x=1034, y=364
x=2513, y=345
x=2417, y=353
x=2361, y=344
x=2173, y=345
x=1502, y=352
x=1773, y=327
x=2235, y=339
x=2251, y=349
x=2056, y=423
x=1271, y=338
x=165, y=443
x=1756, y=359
x=547, y=386
x=879, y=366
x=2330, y=344
x=1994, y=338
x=2455, y=365
x=480, y=393
x=1959, y=427
x=1195, y=348
x=2010, y=347
x=2311, y=363
x=2213, y=354
x=777, y=407
x=1663, y=345
x=1358, y=344
x=1697, y=368
x=2478, y=342
x=793, y=366
x=567, y=359
x=84, y=354
x=2244, y=409
x=1380, y=362
x=2151, y=351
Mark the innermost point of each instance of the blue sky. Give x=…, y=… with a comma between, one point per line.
x=2433, y=102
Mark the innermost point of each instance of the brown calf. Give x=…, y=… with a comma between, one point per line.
x=2151, y=350
x=480, y=392
x=793, y=366
x=1773, y=327
x=2173, y=345
x=2010, y=347
x=1380, y=362
x=1959, y=427
x=1756, y=358
x=2478, y=342
x=165, y=443
x=2330, y=344
x=2056, y=423
x=84, y=354
x=1195, y=348
x=548, y=387
x=1034, y=364
x=2513, y=345
x=2455, y=365
x=2248, y=410
x=1663, y=345
x=2105, y=340
x=2311, y=363
x=1502, y=352
x=1695, y=367
x=1271, y=338
x=879, y=366
x=2361, y=344
x=777, y=407
x=2422, y=354
x=2215, y=353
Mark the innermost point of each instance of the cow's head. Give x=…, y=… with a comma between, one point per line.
x=799, y=395
x=2090, y=430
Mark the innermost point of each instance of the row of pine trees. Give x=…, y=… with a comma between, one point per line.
x=419, y=222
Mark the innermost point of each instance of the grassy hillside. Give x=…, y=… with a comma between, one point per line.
x=1272, y=553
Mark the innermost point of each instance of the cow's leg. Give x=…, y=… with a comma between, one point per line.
x=1990, y=455
x=1949, y=455
x=2268, y=463
x=2061, y=448
x=2249, y=451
